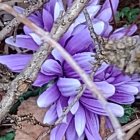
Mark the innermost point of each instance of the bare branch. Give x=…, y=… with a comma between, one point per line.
x=8, y=29
x=131, y=132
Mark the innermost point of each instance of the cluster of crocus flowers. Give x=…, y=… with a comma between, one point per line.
x=83, y=119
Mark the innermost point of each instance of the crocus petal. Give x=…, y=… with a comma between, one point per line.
x=92, y=122
x=116, y=109
x=92, y=10
x=92, y=126
x=80, y=121
x=84, y=60
x=68, y=86
x=107, y=32
x=47, y=20
x=51, y=68
x=107, y=8
x=125, y=31
x=61, y=104
x=36, y=38
x=80, y=45
x=122, y=98
x=58, y=7
x=48, y=97
x=105, y=17
x=94, y=106
x=106, y=89
x=36, y=20
x=16, y=62
x=99, y=27
x=42, y=79
x=75, y=106
x=101, y=69
x=58, y=132
x=56, y=54
x=22, y=41
x=94, y=136
x=93, y=2
x=78, y=29
x=51, y=115
x=71, y=133
x=107, y=5
x=128, y=89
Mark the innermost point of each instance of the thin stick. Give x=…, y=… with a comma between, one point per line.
x=130, y=133
x=125, y=128
x=8, y=29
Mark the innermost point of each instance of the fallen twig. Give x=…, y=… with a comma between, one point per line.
x=8, y=29
x=131, y=132
x=125, y=128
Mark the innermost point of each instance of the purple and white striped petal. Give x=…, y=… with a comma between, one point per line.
x=58, y=132
x=22, y=41
x=129, y=89
x=51, y=68
x=84, y=60
x=51, y=115
x=49, y=96
x=94, y=106
x=68, y=86
x=122, y=98
x=56, y=54
x=106, y=89
x=124, y=31
x=80, y=121
x=71, y=133
x=92, y=10
x=106, y=8
x=58, y=8
x=92, y=126
x=61, y=104
x=16, y=62
x=81, y=44
x=47, y=20
x=42, y=79
x=75, y=106
x=36, y=38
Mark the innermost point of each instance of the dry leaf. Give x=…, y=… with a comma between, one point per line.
x=30, y=131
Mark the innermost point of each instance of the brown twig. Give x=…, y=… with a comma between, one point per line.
x=91, y=30
x=8, y=29
x=131, y=132
x=125, y=128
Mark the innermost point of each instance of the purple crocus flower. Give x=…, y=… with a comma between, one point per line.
x=116, y=87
